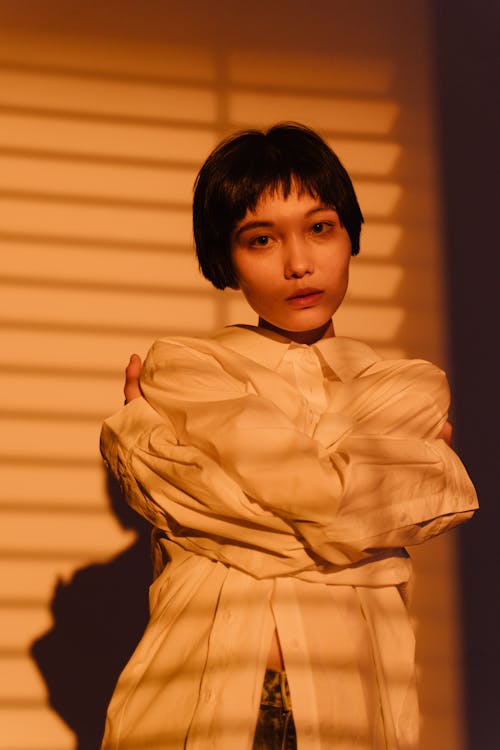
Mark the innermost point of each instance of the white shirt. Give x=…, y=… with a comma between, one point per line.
x=284, y=481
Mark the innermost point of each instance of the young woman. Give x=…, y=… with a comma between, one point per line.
x=284, y=470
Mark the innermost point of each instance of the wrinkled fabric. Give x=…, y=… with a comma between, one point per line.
x=284, y=482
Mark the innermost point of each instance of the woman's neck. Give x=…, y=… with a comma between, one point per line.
x=301, y=337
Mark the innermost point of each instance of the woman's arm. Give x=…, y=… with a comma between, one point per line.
x=369, y=491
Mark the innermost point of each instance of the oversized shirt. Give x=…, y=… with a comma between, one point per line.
x=284, y=482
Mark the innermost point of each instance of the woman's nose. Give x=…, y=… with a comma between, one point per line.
x=298, y=260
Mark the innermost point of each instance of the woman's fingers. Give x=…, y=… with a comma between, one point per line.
x=132, y=388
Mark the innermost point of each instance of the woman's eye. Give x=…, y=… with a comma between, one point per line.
x=319, y=227
x=261, y=241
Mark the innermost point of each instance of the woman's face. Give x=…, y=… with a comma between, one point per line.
x=291, y=258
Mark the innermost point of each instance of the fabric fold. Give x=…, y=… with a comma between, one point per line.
x=285, y=482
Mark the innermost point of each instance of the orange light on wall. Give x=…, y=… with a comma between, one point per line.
x=101, y=138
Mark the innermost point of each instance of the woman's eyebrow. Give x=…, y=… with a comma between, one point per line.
x=321, y=208
x=251, y=225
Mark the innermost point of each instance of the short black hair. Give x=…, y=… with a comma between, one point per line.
x=250, y=163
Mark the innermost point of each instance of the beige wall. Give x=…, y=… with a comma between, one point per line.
x=105, y=116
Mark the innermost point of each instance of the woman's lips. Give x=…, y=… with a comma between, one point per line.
x=305, y=297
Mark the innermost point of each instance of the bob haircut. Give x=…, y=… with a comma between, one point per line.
x=253, y=162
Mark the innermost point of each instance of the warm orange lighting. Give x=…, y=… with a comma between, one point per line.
x=108, y=140
x=34, y=46
x=46, y=533
x=374, y=281
x=119, y=98
x=63, y=349
x=379, y=199
x=101, y=137
x=16, y=630
x=94, y=180
x=380, y=240
x=310, y=72
x=353, y=116
x=28, y=727
x=58, y=485
x=47, y=439
x=122, y=310
x=236, y=309
x=23, y=581
x=81, y=396
x=168, y=268
x=21, y=680
x=363, y=157
x=379, y=325
x=104, y=222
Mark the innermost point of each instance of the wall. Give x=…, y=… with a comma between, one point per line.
x=106, y=114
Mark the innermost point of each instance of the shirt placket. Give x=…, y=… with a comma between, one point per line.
x=309, y=381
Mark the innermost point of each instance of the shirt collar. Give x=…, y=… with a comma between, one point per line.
x=346, y=357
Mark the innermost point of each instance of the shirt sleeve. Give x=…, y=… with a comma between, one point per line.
x=183, y=492
x=368, y=493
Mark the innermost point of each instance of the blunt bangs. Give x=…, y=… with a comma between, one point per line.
x=250, y=164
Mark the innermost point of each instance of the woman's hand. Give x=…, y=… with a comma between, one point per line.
x=446, y=433
x=132, y=389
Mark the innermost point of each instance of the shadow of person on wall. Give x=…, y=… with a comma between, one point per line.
x=99, y=617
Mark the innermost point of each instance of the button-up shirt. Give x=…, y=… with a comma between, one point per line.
x=284, y=482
